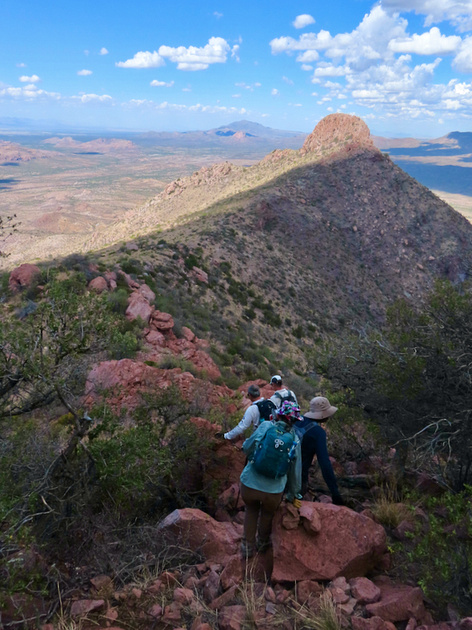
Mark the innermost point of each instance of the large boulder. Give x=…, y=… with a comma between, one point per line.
x=196, y=530
x=23, y=276
x=347, y=544
x=138, y=306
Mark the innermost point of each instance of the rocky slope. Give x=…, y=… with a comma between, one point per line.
x=329, y=235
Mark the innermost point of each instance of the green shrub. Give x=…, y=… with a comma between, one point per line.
x=123, y=345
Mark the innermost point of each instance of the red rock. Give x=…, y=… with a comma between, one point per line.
x=184, y=596
x=101, y=581
x=307, y=591
x=339, y=595
x=172, y=612
x=98, y=284
x=310, y=520
x=374, y=623
x=162, y=321
x=291, y=517
x=225, y=599
x=338, y=125
x=233, y=572
x=200, y=275
x=169, y=578
x=341, y=582
x=232, y=618
x=466, y=623
x=211, y=586
x=348, y=544
x=85, y=606
x=412, y=623
x=23, y=276
x=138, y=306
x=129, y=280
x=188, y=334
x=147, y=293
x=443, y=625
x=365, y=591
x=398, y=602
x=198, y=531
x=230, y=499
x=155, y=338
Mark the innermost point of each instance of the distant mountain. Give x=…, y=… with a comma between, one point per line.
x=257, y=130
x=251, y=135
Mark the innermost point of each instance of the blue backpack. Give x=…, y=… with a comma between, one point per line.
x=275, y=451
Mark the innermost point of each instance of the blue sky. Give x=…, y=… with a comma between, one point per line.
x=403, y=66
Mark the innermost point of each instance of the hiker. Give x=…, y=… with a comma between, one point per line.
x=313, y=438
x=281, y=393
x=274, y=465
x=259, y=410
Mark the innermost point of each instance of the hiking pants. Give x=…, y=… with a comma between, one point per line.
x=260, y=506
x=314, y=443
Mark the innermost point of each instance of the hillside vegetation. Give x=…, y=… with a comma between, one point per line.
x=120, y=368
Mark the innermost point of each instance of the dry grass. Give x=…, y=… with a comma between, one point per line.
x=326, y=617
x=388, y=508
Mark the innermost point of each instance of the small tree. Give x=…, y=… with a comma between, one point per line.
x=416, y=377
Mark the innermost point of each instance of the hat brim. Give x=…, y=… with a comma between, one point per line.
x=321, y=415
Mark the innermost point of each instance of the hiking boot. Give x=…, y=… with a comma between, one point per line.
x=263, y=545
x=247, y=549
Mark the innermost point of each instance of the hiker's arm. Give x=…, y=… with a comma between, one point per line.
x=294, y=479
x=244, y=424
x=324, y=461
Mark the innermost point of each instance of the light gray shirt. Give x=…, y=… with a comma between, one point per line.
x=251, y=416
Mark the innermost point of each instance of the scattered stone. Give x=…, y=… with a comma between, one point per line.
x=364, y=590
x=84, y=606
x=398, y=602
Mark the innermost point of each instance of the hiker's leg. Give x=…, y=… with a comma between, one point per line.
x=252, y=500
x=270, y=503
x=308, y=452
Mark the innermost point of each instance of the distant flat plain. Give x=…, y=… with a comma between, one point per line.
x=61, y=199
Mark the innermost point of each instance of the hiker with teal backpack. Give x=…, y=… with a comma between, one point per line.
x=258, y=411
x=274, y=466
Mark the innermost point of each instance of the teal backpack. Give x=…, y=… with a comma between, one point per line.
x=275, y=451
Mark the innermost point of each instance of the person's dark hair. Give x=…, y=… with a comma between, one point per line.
x=253, y=390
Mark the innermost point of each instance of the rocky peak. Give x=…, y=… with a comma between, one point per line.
x=338, y=129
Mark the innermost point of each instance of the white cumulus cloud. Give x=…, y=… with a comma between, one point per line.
x=303, y=20
x=103, y=51
x=32, y=79
x=98, y=98
x=463, y=59
x=458, y=12
x=84, y=73
x=142, y=59
x=197, y=58
x=274, y=92
x=157, y=83
x=430, y=43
